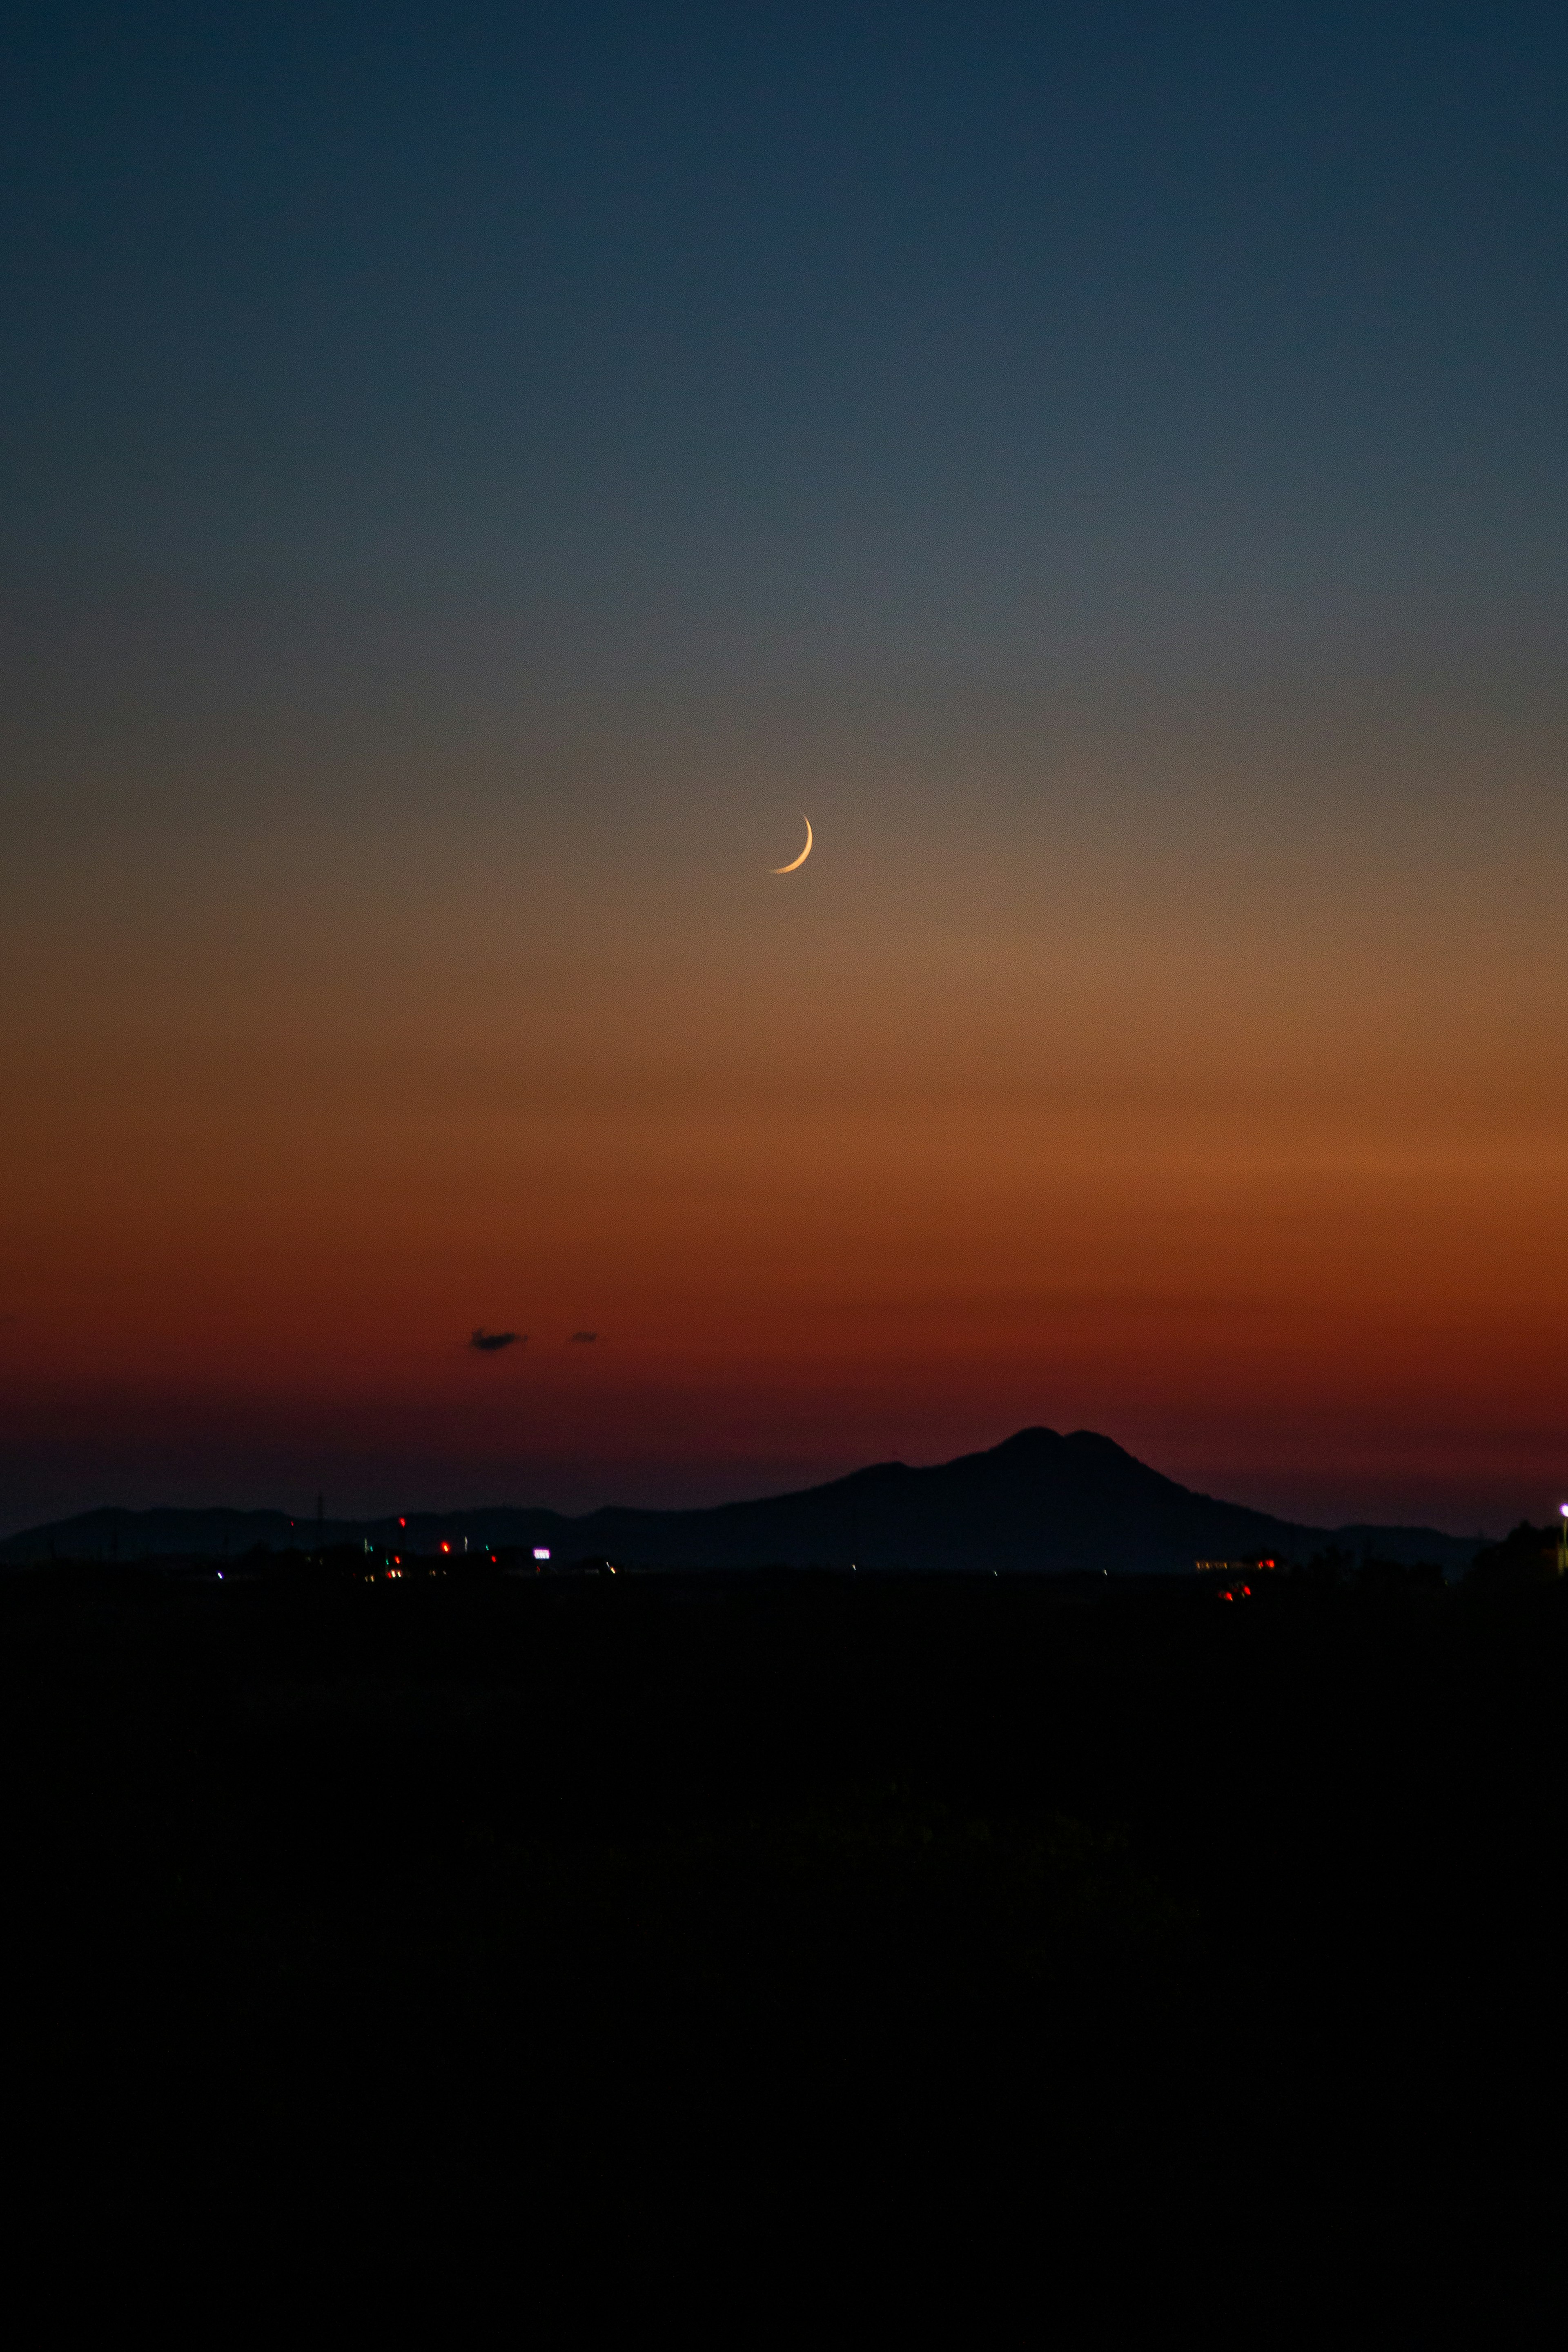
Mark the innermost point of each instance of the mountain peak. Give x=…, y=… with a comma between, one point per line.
x=1032, y=1440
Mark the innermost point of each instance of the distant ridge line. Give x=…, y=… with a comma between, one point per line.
x=1038, y=1501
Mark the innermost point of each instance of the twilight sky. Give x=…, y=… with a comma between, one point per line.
x=470, y=477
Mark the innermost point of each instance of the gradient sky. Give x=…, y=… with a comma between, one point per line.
x=471, y=477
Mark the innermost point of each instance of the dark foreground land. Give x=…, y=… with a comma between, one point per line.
x=675, y=1889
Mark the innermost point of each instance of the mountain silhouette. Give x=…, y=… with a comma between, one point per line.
x=1038, y=1502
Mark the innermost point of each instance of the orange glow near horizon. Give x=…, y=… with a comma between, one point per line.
x=1204, y=1134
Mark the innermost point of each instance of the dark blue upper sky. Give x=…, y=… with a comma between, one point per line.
x=671, y=329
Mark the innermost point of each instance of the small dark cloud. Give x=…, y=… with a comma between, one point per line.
x=584, y=1339
x=489, y=1342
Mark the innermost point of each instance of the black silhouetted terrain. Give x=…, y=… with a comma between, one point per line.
x=1527, y=1555
x=673, y=1896
x=1038, y=1502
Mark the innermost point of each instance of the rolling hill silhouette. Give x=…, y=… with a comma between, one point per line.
x=1038, y=1502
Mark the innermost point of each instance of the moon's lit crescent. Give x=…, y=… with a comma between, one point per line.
x=804, y=854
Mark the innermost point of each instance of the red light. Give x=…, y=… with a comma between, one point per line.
x=403, y=1523
x=446, y=1546
x=1247, y=1592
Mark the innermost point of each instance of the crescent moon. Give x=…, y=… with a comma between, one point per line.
x=804, y=854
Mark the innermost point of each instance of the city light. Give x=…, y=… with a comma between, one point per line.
x=542, y=1551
